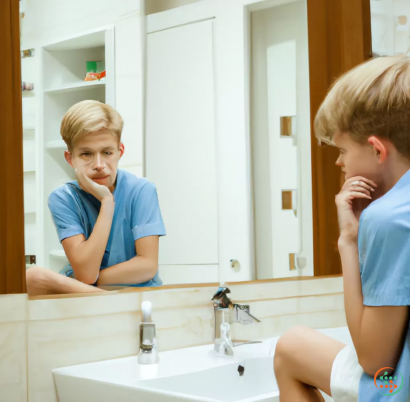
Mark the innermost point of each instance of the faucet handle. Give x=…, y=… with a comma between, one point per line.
x=221, y=299
x=243, y=315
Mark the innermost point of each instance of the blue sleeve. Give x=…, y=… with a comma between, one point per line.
x=65, y=217
x=146, y=218
x=386, y=265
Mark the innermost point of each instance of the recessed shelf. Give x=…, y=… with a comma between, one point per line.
x=75, y=86
x=63, y=68
x=91, y=40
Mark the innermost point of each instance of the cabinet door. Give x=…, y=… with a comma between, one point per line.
x=180, y=141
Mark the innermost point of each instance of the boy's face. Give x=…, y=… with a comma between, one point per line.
x=97, y=154
x=357, y=159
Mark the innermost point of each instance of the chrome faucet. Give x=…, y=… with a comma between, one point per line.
x=229, y=313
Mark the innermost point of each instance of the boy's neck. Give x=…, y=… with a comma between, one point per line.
x=391, y=177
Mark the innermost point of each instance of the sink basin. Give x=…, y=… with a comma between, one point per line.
x=191, y=374
x=223, y=383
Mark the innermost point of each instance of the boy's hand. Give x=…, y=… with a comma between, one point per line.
x=98, y=191
x=353, y=198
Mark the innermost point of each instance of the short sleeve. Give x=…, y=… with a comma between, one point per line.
x=64, y=214
x=385, y=263
x=146, y=218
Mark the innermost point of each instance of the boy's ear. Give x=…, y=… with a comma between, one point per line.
x=68, y=157
x=122, y=149
x=379, y=147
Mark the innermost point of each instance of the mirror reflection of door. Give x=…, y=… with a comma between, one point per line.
x=281, y=152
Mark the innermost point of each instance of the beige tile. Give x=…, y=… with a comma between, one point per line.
x=13, y=307
x=13, y=362
x=59, y=343
x=309, y=304
x=188, y=297
x=270, y=308
x=262, y=291
x=112, y=303
x=275, y=326
x=275, y=290
x=320, y=286
x=181, y=328
x=320, y=303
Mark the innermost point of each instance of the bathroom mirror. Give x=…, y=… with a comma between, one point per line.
x=216, y=98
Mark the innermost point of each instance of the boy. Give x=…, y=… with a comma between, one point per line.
x=108, y=221
x=367, y=116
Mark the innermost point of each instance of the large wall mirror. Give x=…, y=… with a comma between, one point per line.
x=217, y=99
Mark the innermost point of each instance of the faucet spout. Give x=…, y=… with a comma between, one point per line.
x=235, y=313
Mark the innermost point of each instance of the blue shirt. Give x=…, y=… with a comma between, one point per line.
x=136, y=215
x=384, y=255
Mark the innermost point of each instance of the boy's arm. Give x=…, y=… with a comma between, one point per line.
x=139, y=269
x=377, y=332
x=85, y=256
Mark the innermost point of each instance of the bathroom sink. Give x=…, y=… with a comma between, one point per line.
x=191, y=374
x=223, y=383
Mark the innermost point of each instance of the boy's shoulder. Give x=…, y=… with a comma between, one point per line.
x=132, y=186
x=391, y=209
x=131, y=183
x=62, y=192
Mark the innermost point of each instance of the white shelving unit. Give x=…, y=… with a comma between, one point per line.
x=76, y=86
x=63, y=72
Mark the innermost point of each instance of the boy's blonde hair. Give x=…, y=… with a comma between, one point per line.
x=87, y=117
x=371, y=99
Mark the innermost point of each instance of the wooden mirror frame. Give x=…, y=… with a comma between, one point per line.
x=12, y=254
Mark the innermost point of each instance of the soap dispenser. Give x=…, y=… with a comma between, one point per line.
x=148, y=353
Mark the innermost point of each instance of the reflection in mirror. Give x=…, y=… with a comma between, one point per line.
x=98, y=198
x=186, y=164
x=92, y=221
x=281, y=142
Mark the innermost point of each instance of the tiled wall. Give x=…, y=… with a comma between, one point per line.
x=39, y=335
x=13, y=348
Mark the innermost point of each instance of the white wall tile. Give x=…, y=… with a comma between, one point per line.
x=13, y=308
x=59, y=343
x=111, y=303
x=13, y=361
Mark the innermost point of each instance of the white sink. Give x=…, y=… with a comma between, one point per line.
x=191, y=374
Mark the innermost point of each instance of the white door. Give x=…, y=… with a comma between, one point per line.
x=281, y=175
x=180, y=149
